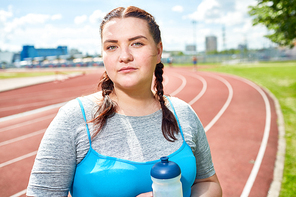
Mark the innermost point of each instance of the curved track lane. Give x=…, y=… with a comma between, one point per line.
x=233, y=111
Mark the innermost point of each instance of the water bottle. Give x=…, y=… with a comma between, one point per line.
x=166, y=179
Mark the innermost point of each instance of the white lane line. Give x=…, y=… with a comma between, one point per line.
x=27, y=105
x=35, y=111
x=22, y=137
x=259, y=158
x=18, y=159
x=262, y=149
x=19, y=193
x=203, y=90
x=226, y=104
x=165, y=80
x=275, y=187
x=181, y=86
x=174, y=93
x=25, y=123
x=258, y=161
x=41, y=93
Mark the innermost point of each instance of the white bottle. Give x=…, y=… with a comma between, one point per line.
x=166, y=179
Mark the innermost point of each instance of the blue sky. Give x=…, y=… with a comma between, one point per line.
x=75, y=23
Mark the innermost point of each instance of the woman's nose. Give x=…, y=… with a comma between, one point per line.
x=125, y=55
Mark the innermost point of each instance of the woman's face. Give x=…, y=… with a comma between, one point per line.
x=130, y=53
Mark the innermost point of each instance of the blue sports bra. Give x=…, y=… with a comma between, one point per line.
x=99, y=175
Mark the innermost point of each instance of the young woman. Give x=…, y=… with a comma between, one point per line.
x=105, y=144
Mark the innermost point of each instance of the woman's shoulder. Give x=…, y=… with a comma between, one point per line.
x=189, y=120
x=183, y=110
x=179, y=104
x=73, y=106
x=95, y=97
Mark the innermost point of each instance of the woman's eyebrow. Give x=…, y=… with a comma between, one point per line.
x=130, y=39
x=137, y=37
x=112, y=41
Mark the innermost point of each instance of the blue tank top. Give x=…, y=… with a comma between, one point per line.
x=100, y=175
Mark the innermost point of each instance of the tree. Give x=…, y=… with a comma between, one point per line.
x=214, y=52
x=278, y=16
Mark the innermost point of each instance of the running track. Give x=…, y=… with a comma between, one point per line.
x=238, y=116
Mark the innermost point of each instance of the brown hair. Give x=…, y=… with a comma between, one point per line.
x=108, y=106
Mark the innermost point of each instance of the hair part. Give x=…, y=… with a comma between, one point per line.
x=135, y=12
x=108, y=106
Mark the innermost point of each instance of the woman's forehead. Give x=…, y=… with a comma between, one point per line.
x=125, y=26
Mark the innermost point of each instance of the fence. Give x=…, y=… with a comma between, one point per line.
x=270, y=54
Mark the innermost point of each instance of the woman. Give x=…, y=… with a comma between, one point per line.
x=130, y=128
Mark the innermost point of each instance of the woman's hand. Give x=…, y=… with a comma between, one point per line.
x=148, y=194
x=206, y=187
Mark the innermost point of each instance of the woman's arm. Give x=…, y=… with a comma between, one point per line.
x=55, y=163
x=206, y=187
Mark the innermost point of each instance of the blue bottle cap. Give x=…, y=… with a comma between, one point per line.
x=165, y=169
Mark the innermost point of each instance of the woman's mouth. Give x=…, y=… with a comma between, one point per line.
x=127, y=69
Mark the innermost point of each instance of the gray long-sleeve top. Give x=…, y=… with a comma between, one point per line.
x=65, y=144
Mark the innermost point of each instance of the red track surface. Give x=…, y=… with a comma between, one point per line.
x=232, y=111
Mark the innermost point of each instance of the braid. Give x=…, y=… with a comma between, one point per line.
x=169, y=123
x=108, y=107
x=106, y=85
x=158, y=82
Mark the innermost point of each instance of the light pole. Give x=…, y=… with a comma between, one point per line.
x=224, y=39
x=194, y=22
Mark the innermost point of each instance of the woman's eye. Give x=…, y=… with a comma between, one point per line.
x=111, y=47
x=137, y=44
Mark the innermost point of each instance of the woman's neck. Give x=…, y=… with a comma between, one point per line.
x=140, y=103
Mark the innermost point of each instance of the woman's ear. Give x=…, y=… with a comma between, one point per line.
x=159, y=51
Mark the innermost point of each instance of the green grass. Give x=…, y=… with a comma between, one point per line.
x=280, y=79
x=8, y=75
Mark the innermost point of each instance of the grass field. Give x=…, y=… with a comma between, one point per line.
x=7, y=75
x=280, y=79
x=10, y=74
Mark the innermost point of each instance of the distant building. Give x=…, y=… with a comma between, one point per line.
x=288, y=52
x=6, y=57
x=16, y=57
x=29, y=51
x=75, y=53
x=190, y=48
x=242, y=47
x=211, y=43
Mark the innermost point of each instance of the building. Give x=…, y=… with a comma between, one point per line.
x=211, y=43
x=6, y=59
x=288, y=52
x=242, y=47
x=29, y=51
x=190, y=48
x=75, y=53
